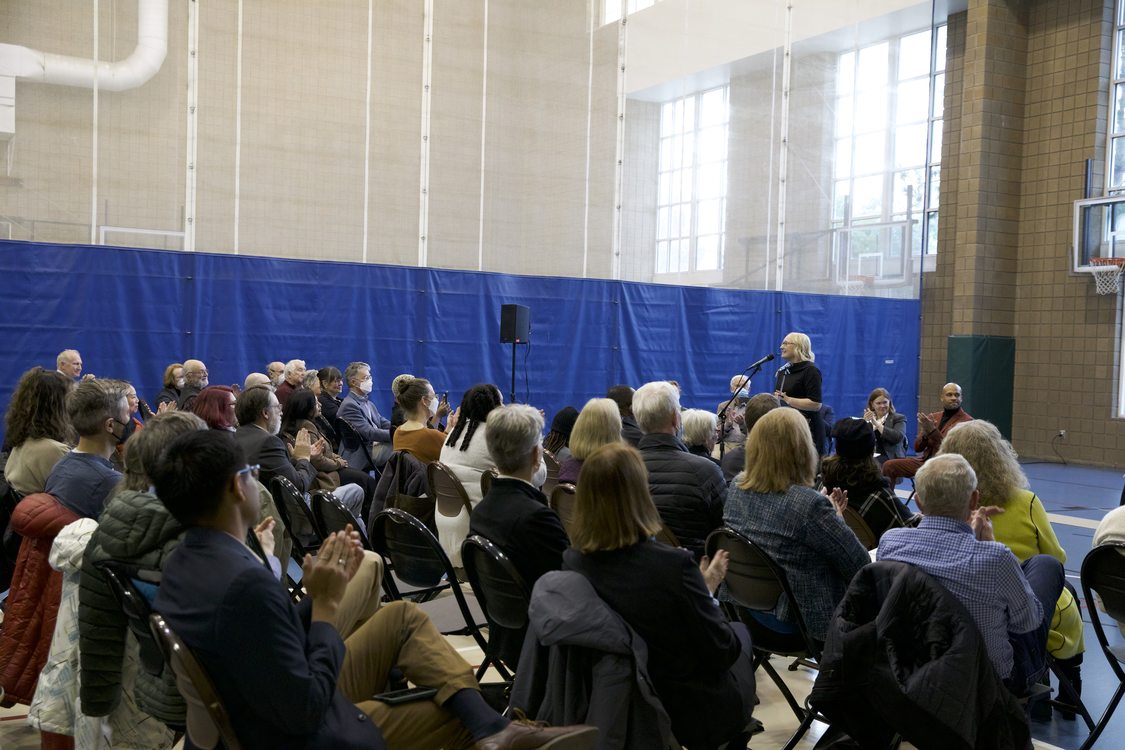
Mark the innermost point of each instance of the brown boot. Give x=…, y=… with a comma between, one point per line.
x=526, y=735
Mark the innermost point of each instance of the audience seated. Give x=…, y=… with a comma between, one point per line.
x=331, y=383
x=854, y=470
x=622, y=395
x=37, y=430
x=465, y=452
x=215, y=406
x=293, y=376
x=700, y=432
x=195, y=380
x=332, y=470
x=75, y=488
x=774, y=504
x=398, y=416
x=514, y=515
x=889, y=426
x=259, y=422
x=133, y=528
x=69, y=364
x=419, y=406
x=1019, y=522
x=701, y=665
x=173, y=382
x=688, y=490
x=1011, y=603
x=558, y=439
x=598, y=424
x=932, y=428
x=361, y=415
x=299, y=681
x=757, y=407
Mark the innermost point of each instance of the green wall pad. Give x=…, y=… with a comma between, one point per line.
x=984, y=367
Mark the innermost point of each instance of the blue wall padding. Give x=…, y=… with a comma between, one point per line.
x=131, y=311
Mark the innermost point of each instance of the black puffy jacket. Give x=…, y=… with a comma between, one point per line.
x=904, y=656
x=688, y=490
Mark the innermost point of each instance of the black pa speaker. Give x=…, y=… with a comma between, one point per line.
x=515, y=324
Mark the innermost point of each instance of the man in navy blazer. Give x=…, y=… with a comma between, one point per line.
x=284, y=674
x=361, y=415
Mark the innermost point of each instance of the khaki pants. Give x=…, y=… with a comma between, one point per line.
x=401, y=635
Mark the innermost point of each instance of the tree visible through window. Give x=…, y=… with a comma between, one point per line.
x=692, y=186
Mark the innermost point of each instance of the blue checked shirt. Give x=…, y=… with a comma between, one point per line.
x=984, y=576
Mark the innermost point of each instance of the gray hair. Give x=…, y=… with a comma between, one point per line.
x=945, y=484
x=699, y=426
x=352, y=370
x=65, y=356
x=291, y=367
x=655, y=405
x=92, y=402
x=513, y=432
x=311, y=379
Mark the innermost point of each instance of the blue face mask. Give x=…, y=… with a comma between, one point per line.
x=743, y=393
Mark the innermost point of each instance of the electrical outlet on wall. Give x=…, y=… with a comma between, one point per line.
x=1061, y=434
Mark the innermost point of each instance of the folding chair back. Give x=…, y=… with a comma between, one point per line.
x=332, y=516
x=449, y=494
x=136, y=607
x=564, y=502
x=860, y=528
x=208, y=721
x=498, y=586
x=1103, y=574
x=307, y=534
x=486, y=478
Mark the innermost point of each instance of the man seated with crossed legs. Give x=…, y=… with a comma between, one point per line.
x=285, y=675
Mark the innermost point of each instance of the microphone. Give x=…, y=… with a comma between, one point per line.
x=762, y=361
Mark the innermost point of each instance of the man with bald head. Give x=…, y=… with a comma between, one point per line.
x=69, y=363
x=932, y=429
x=255, y=379
x=195, y=380
x=275, y=371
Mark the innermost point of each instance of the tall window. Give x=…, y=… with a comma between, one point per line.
x=611, y=9
x=889, y=99
x=1116, y=152
x=692, y=187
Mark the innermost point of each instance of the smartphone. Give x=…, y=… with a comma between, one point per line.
x=409, y=695
x=445, y=396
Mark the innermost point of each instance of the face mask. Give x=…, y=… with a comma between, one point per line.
x=365, y=386
x=127, y=429
x=179, y=382
x=433, y=406
x=743, y=393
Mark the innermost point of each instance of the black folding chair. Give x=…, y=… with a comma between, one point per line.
x=198, y=690
x=486, y=478
x=291, y=505
x=418, y=560
x=136, y=607
x=332, y=516
x=295, y=590
x=1103, y=574
x=755, y=582
x=563, y=501
x=503, y=597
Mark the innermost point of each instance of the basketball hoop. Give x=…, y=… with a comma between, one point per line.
x=1107, y=274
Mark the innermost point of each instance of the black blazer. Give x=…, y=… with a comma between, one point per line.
x=271, y=454
x=660, y=592
x=514, y=516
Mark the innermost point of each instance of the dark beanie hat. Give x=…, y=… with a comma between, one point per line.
x=854, y=438
x=564, y=420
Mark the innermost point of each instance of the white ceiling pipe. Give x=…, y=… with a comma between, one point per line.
x=133, y=71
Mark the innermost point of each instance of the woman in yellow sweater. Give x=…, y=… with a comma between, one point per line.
x=1022, y=526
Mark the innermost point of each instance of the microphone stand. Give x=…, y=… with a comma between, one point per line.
x=727, y=405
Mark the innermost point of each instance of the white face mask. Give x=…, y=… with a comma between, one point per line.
x=433, y=406
x=179, y=382
x=365, y=386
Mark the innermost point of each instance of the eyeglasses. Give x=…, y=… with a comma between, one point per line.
x=251, y=470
